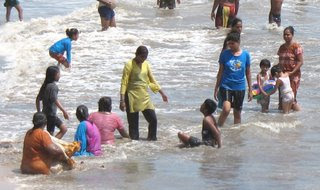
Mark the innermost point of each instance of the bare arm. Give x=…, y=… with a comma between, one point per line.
x=54, y=150
x=299, y=64
x=248, y=76
x=219, y=76
x=65, y=114
x=214, y=130
x=123, y=133
x=260, y=85
x=163, y=95
x=38, y=104
x=278, y=84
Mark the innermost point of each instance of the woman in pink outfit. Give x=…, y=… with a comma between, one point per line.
x=107, y=122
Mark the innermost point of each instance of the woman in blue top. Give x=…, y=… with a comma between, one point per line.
x=234, y=68
x=57, y=50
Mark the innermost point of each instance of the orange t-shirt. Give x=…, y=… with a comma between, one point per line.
x=35, y=159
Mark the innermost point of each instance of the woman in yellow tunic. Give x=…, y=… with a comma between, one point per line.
x=134, y=97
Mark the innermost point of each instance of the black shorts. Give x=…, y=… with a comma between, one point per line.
x=52, y=122
x=235, y=97
x=194, y=141
x=106, y=12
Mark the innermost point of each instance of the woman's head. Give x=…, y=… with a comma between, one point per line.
x=52, y=74
x=73, y=33
x=141, y=54
x=288, y=34
x=82, y=113
x=39, y=120
x=105, y=104
x=233, y=40
x=265, y=64
x=276, y=70
x=208, y=107
x=236, y=25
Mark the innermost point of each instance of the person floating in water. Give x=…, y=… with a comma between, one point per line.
x=16, y=4
x=57, y=50
x=227, y=10
x=211, y=135
x=275, y=12
x=171, y=4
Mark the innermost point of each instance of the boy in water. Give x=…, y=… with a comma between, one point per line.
x=211, y=135
x=13, y=3
x=171, y=4
x=227, y=10
x=275, y=12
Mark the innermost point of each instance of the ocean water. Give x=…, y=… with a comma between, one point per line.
x=267, y=151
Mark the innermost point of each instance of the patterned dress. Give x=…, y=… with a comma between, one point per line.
x=288, y=60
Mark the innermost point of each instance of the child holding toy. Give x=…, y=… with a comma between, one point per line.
x=262, y=80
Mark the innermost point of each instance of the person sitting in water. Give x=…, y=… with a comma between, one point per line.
x=227, y=10
x=171, y=4
x=39, y=151
x=87, y=134
x=107, y=122
x=211, y=135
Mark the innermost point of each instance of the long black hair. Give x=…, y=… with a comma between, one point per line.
x=51, y=73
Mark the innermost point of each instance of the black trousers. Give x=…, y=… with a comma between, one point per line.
x=133, y=120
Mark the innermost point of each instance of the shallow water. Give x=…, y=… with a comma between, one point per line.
x=267, y=151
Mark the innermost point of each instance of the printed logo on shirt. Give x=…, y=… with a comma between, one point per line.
x=235, y=65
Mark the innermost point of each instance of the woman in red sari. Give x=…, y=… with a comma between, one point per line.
x=291, y=59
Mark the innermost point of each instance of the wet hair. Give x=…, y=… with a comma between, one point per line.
x=235, y=21
x=233, y=36
x=39, y=120
x=291, y=30
x=275, y=69
x=71, y=32
x=211, y=105
x=141, y=50
x=51, y=73
x=82, y=113
x=265, y=62
x=105, y=104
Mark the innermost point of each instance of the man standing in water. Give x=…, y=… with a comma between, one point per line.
x=227, y=10
x=275, y=12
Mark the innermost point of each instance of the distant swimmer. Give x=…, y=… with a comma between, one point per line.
x=171, y=4
x=107, y=14
x=57, y=50
x=275, y=12
x=227, y=10
x=16, y=4
x=211, y=135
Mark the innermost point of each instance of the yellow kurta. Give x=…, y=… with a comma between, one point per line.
x=136, y=81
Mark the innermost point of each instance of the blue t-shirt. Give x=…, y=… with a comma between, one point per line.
x=61, y=46
x=234, y=72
